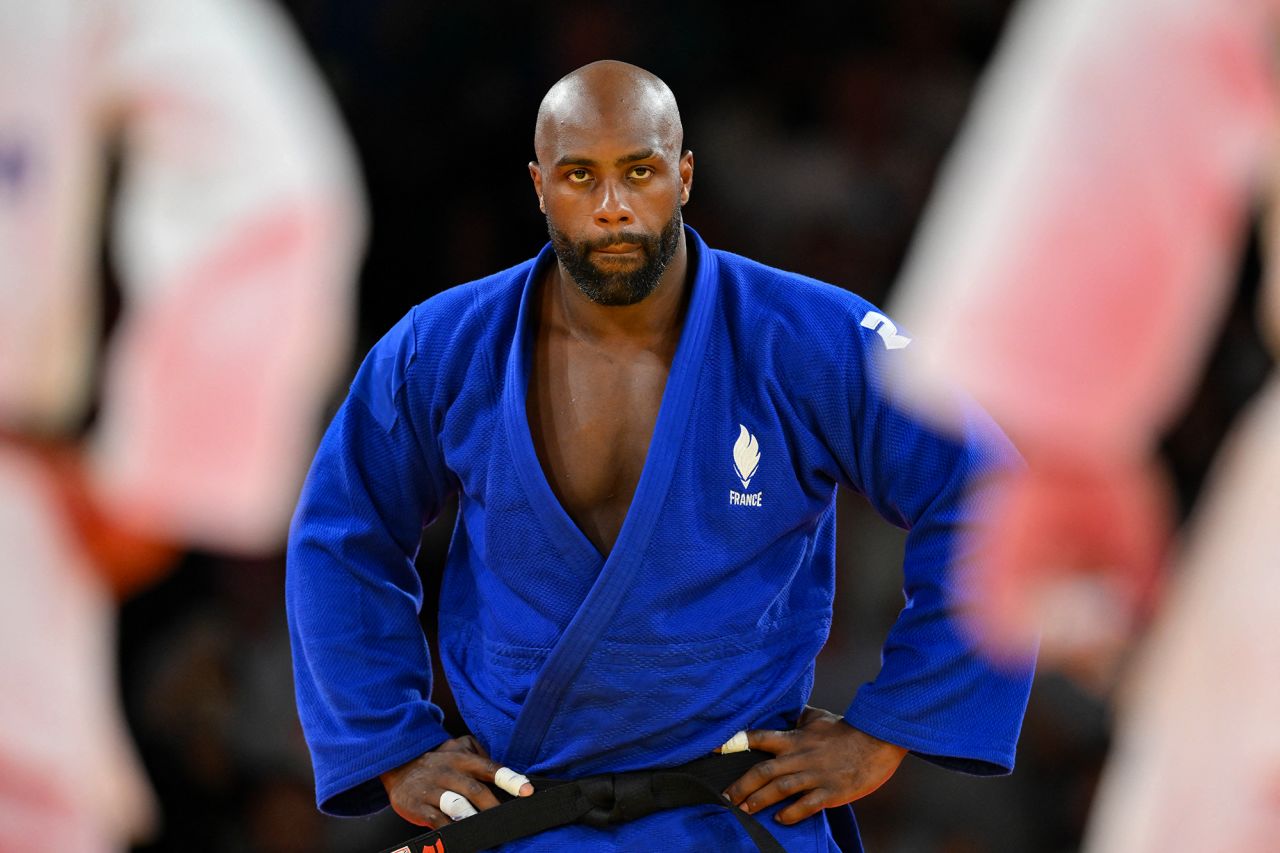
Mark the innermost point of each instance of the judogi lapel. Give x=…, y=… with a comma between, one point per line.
x=616, y=573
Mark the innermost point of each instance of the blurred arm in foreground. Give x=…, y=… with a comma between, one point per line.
x=236, y=231
x=1071, y=273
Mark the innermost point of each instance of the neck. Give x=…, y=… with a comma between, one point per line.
x=651, y=322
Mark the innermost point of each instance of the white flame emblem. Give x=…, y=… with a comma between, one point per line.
x=746, y=456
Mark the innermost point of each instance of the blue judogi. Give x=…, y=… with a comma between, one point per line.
x=706, y=616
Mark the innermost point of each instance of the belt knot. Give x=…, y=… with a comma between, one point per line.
x=618, y=798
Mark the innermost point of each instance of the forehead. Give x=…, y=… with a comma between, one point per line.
x=589, y=128
x=603, y=144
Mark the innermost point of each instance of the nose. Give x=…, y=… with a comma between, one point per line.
x=613, y=209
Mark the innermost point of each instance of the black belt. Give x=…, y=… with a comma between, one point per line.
x=599, y=801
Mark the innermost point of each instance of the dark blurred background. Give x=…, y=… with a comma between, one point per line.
x=818, y=131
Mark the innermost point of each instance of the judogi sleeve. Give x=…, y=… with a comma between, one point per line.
x=361, y=663
x=935, y=693
x=237, y=233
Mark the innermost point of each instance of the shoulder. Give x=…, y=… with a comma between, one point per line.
x=807, y=316
x=439, y=337
x=467, y=312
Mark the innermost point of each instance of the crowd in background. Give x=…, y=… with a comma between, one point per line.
x=817, y=133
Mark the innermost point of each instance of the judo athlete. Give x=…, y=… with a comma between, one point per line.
x=646, y=436
x=236, y=230
x=1089, y=225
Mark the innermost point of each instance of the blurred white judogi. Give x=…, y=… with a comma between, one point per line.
x=1072, y=272
x=236, y=234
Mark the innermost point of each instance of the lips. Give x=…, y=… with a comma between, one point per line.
x=618, y=249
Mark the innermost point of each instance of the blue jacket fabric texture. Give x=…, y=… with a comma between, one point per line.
x=706, y=616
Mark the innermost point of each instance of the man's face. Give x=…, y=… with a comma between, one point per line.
x=612, y=198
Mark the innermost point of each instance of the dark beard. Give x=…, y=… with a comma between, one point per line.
x=618, y=288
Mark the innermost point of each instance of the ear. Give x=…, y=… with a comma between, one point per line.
x=686, y=177
x=535, y=172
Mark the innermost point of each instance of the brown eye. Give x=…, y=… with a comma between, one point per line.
x=579, y=176
x=642, y=172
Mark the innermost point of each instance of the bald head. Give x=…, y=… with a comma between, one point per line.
x=607, y=98
x=611, y=178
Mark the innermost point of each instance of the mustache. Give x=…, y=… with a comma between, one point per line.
x=636, y=237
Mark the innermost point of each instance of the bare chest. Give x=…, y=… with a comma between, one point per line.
x=591, y=415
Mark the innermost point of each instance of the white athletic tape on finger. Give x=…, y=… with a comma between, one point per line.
x=510, y=781
x=737, y=743
x=456, y=806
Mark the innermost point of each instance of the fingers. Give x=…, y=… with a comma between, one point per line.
x=470, y=787
x=415, y=788
x=779, y=743
x=757, y=778
x=515, y=784
x=807, y=806
x=448, y=797
x=767, y=740
x=771, y=782
x=424, y=815
x=737, y=743
x=456, y=806
x=777, y=790
x=824, y=763
x=463, y=773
